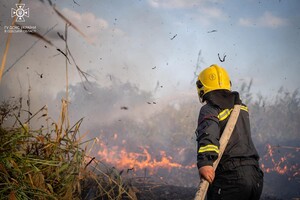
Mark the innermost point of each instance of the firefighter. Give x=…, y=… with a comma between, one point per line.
x=238, y=175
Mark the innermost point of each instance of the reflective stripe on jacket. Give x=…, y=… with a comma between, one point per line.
x=211, y=123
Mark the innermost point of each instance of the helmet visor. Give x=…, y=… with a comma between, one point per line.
x=199, y=84
x=200, y=88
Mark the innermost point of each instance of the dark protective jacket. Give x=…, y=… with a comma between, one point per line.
x=211, y=123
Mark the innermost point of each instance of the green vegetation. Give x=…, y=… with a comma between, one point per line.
x=51, y=163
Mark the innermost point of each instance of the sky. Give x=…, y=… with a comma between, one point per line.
x=155, y=46
x=143, y=56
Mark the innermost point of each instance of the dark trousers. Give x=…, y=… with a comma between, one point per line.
x=240, y=183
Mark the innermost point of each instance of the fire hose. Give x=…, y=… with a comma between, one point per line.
x=202, y=190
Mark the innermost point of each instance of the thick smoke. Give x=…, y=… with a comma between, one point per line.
x=101, y=105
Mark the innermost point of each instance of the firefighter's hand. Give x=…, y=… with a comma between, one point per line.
x=207, y=172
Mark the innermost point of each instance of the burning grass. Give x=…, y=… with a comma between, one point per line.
x=50, y=163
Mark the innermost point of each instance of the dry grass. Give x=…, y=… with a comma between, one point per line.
x=52, y=164
x=36, y=164
x=6, y=48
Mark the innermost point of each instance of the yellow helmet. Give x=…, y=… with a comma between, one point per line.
x=212, y=78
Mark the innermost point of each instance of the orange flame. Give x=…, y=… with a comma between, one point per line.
x=281, y=165
x=124, y=155
x=121, y=158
